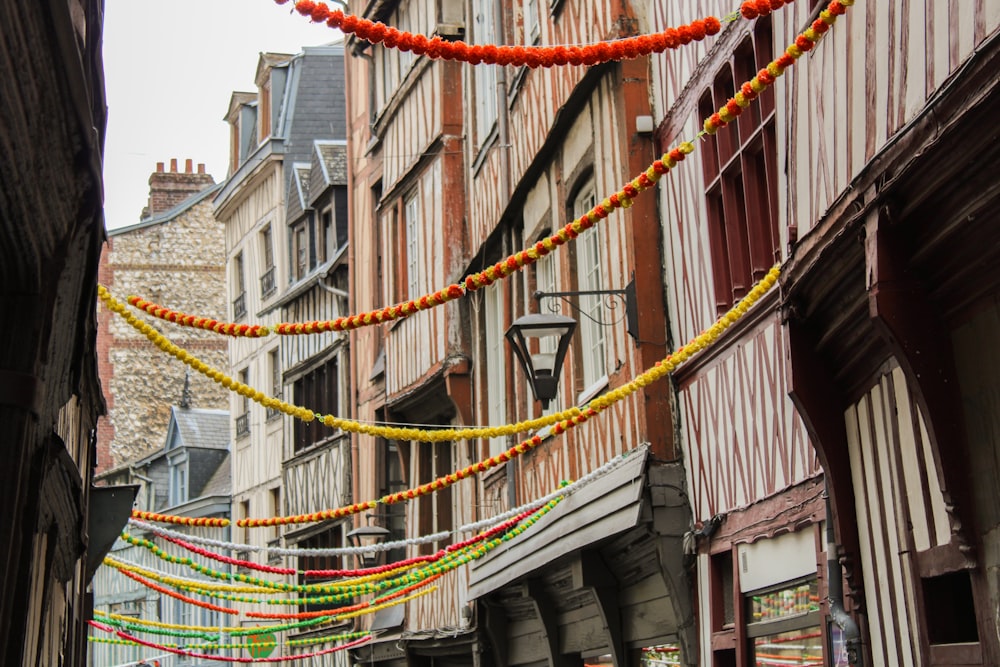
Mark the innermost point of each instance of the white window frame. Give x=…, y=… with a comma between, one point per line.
x=532, y=22
x=411, y=223
x=485, y=75
x=180, y=479
x=496, y=367
x=590, y=276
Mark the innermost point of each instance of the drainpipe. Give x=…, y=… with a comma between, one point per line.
x=835, y=591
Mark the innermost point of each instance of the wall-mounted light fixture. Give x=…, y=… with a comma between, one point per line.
x=368, y=537
x=542, y=368
x=613, y=298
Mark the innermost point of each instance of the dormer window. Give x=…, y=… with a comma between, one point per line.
x=264, y=112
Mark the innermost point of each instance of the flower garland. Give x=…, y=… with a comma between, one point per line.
x=342, y=573
x=564, y=491
x=343, y=590
x=226, y=328
x=749, y=90
x=236, y=647
x=177, y=596
x=626, y=48
x=660, y=370
x=217, y=658
x=726, y=114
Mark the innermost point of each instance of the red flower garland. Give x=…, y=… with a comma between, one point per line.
x=626, y=48
x=229, y=329
x=220, y=658
x=177, y=596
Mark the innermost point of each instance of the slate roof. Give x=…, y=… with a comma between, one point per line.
x=333, y=159
x=221, y=481
x=199, y=427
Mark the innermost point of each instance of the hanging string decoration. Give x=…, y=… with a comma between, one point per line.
x=217, y=658
x=626, y=48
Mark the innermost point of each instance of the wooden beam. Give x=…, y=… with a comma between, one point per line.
x=495, y=625
x=545, y=612
x=593, y=574
x=821, y=405
x=919, y=339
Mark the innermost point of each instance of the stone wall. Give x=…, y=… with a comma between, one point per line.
x=178, y=263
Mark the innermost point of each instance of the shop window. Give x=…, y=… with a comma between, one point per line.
x=784, y=625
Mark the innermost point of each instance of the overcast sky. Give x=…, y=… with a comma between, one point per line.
x=170, y=69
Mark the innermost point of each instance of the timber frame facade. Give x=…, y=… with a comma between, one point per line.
x=870, y=372
x=52, y=122
x=441, y=190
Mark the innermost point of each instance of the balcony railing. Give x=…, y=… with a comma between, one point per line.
x=243, y=425
x=267, y=284
x=274, y=413
x=274, y=558
x=240, y=306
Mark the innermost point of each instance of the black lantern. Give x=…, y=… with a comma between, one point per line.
x=542, y=368
x=367, y=538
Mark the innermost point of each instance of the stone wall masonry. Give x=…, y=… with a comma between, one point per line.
x=180, y=264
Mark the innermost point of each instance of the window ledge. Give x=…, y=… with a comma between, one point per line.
x=593, y=390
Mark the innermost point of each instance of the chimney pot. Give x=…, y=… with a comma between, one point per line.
x=173, y=165
x=201, y=167
x=159, y=167
x=187, y=165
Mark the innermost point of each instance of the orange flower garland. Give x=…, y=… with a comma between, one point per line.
x=626, y=48
x=180, y=520
x=229, y=329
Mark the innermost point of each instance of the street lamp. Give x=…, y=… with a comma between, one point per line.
x=542, y=368
x=367, y=538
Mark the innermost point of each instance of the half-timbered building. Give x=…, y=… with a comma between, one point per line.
x=453, y=168
x=858, y=394
x=408, y=238
x=282, y=245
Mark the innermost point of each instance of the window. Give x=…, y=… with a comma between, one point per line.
x=274, y=362
x=243, y=416
x=532, y=28
x=239, y=288
x=783, y=625
x=411, y=220
x=496, y=372
x=331, y=538
x=317, y=390
x=267, y=284
x=434, y=510
x=740, y=171
x=392, y=481
x=545, y=281
x=327, y=243
x=590, y=277
x=179, y=479
x=264, y=126
x=485, y=75
x=300, y=251
x=245, y=536
x=275, y=494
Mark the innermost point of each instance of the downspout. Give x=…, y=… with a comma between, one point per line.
x=835, y=591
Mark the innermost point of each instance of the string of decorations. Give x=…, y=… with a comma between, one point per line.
x=177, y=596
x=217, y=658
x=566, y=491
x=748, y=91
x=532, y=56
x=660, y=370
x=215, y=646
x=343, y=590
x=151, y=626
x=360, y=572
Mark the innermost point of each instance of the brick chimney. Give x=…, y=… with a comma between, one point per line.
x=169, y=188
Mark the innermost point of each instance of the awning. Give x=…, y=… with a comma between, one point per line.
x=600, y=510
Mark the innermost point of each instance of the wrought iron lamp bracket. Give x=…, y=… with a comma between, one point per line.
x=613, y=297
